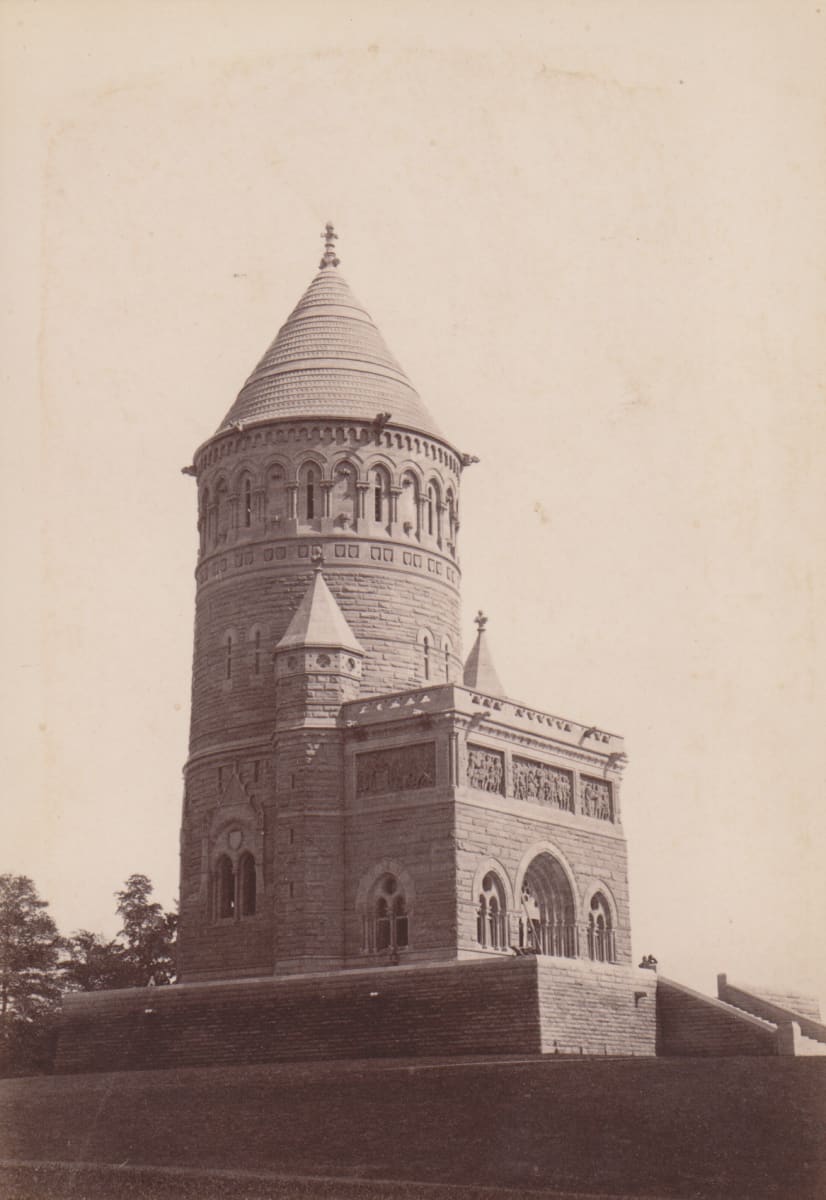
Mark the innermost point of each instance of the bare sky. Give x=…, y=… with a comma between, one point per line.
x=593, y=235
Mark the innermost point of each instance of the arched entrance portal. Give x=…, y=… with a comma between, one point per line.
x=547, y=922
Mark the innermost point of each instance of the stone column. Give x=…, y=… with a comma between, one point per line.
x=292, y=501
x=441, y=509
x=395, y=493
x=326, y=498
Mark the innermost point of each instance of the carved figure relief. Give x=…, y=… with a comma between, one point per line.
x=401, y=769
x=595, y=798
x=543, y=784
x=486, y=770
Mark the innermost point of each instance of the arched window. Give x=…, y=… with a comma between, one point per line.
x=247, y=502
x=431, y=509
x=427, y=646
x=343, y=498
x=276, y=497
x=491, y=919
x=222, y=515
x=246, y=885
x=409, y=505
x=386, y=925
x=547, y=922
x=452, y=523
x=203, y=519
x=308, y=489
x=447, y=660
x=381, y=496
x=600, y=931
x=228, y=656
x=224, y=888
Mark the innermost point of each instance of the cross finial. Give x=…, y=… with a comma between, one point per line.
x=481, y=621
x=328, y=258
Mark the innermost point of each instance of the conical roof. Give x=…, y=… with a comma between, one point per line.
x=480, y=673
x=329, y=360
x=318, y=621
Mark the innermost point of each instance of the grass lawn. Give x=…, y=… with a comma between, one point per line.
x=711, y=1129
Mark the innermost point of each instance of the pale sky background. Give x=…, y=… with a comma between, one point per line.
x=594, y=236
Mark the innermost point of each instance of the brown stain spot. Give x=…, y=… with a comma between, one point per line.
x=541, y=512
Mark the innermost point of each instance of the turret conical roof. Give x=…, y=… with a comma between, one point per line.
x=318, y=621
x=329, y=360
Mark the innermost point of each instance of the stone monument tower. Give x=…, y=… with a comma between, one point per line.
x=327, y=460
x=353, y=795
x=382, y=852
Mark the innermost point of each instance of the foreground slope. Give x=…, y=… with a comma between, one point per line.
x=689, y=1128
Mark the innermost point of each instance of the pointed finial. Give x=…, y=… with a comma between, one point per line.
x=318, y=559
x=481, y=621
x=328, y=258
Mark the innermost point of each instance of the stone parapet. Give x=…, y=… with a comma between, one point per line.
x=502, y=1006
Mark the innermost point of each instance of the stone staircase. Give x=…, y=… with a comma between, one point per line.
x=796, y=1019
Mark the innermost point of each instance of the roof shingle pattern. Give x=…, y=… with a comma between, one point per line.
x=329, y=360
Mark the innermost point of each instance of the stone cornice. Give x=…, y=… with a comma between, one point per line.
x=499, y=717
x=311, y=431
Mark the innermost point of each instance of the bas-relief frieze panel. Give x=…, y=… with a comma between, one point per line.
x=399, y=769
x=595, y=799
x=486, y=769
x=543, y=784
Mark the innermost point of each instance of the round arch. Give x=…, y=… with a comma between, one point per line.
x=347, y=458
x=547, y=848
x=387, y=866
x=602, y=889
x=487, y=866
x=245, y=467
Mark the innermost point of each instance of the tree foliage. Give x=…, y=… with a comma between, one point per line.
x=36, y=964
x=93, y=964
x=29, y=991
x=148, y=933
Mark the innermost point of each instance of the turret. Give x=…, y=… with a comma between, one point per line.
x=318, y=662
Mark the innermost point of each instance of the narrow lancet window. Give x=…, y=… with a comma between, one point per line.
x=224, y=888
x=246, y=885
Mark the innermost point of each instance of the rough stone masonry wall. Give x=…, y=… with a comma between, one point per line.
x=386, y=606
x=594, y=1008
x=410, y=835
x=466, y=1008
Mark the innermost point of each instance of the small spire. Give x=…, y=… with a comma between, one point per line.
x=328, y=258
x=479, y=672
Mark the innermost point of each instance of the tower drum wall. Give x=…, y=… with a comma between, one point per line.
x=379, y=504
